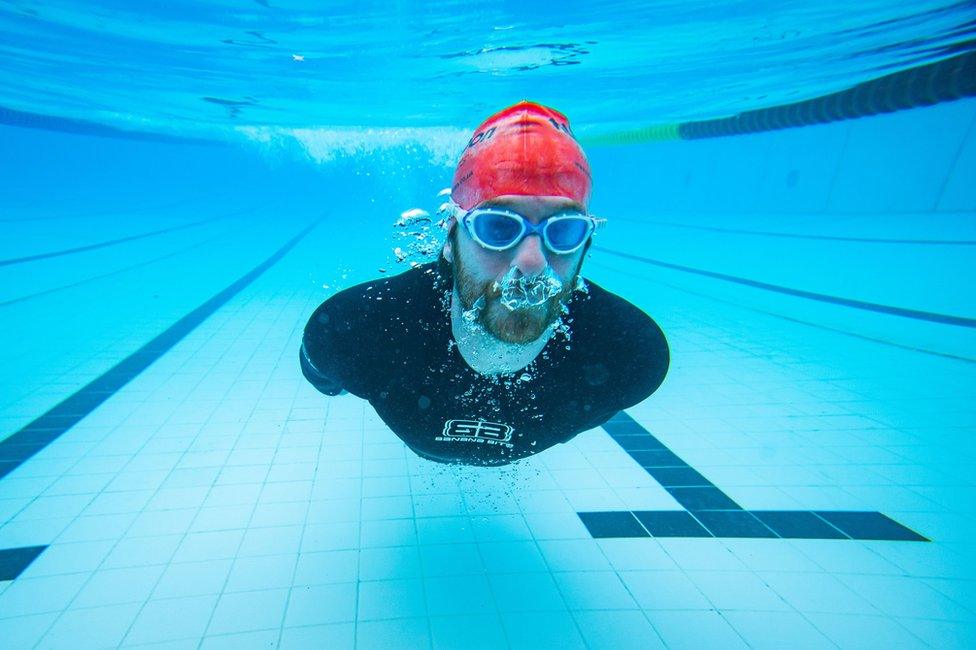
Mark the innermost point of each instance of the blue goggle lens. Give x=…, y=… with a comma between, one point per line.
x=565, y=234
x=497, y=229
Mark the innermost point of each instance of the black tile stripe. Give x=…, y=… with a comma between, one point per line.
x=671, y=523
x=916, y=314
x=101, y=276
x=104, y=244
x=791, y=319
x=36, y=435
x=751, y=524
x=709, y=512
x=797, y=524
x=13, y=561
x=681, y=480
x=613, y=524
x=869, y=525
x=733, y=523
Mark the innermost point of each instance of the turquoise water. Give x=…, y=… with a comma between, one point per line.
x=183, y=185
x=209, y=68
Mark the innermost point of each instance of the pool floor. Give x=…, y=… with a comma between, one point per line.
x=216, y=500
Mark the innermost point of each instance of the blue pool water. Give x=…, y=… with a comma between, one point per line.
x=788, y=192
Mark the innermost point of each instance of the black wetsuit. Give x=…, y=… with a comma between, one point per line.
x=390, y=341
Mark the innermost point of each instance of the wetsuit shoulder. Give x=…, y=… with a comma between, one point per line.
x=346, y=334
x=628, y=340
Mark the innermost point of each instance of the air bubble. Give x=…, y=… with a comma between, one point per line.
x=524, y=292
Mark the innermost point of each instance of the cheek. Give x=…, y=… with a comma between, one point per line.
x=481, y=263
x=566, y=267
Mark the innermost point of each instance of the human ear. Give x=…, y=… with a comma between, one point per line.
x=448, y=247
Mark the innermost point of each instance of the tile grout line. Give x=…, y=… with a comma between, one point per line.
x=48, y=427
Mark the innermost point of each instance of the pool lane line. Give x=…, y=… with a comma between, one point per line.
x=45, y=429
x=710, y=512
x=941, y=81
x=23, y=119
x=915, y=314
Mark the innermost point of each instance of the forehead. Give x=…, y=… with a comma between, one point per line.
x=534, y=206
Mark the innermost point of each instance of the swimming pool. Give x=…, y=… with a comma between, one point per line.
x=785, y=193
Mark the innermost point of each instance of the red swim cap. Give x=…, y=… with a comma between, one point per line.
x=526, y=149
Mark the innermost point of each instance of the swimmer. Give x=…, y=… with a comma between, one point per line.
x=499, y=349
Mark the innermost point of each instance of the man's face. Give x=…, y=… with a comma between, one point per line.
x=477, y=269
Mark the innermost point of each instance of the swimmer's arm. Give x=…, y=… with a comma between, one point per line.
x=647, y=363
x=322, y=382
x=336, y=355
x=325, y=348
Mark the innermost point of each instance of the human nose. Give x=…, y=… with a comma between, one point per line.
x=530, y=258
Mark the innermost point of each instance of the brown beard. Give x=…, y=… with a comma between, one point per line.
x=518, y=326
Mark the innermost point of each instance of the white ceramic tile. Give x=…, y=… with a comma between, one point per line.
x=193, y=578
x=858, y=631
x=616, y=629
x=379, y=635
x=248, y=611
x=695, y=629
x=458, y=595
x=262, y=572
x=390, y=562
x=775, y=629
x=115, y=586
x=386, y=599
x=321, y=604
x=171, y=619
x=524, y=592
x=542, y=630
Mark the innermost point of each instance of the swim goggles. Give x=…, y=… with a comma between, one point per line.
x=499, y=229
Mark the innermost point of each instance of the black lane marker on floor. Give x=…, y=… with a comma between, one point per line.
x=104, y=244
x=932, y=317
x=709, y=512
x=687, y=486
x=13, y=561
x=36, y=435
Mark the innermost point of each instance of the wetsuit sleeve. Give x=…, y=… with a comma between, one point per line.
x=325, y=354
x=322, y=382
x=648, y=361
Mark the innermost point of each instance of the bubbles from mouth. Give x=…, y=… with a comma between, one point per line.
x=470, y=316
x=525, y=292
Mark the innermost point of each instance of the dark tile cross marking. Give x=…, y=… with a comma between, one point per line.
x=709, y=512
